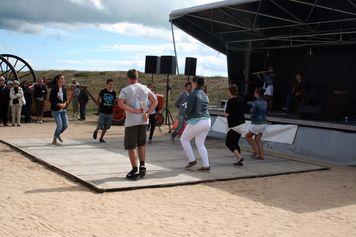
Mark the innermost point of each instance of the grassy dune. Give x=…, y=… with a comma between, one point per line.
x=96, y=81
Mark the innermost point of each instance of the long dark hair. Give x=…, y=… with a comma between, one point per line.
x=54, y=83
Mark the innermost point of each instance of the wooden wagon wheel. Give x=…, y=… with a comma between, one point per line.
x=23, y=69
x=7, y=70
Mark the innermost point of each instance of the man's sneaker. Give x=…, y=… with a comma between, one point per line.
x=132, y=176
x=205, y=169
x=102, y=141
x=142, y=171
x=191, y=164
x=95, y=135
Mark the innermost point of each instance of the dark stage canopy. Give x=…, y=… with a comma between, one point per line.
x=314, y=37
x=269, y=24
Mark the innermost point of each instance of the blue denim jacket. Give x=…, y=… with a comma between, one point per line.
x=258, y=111
x=197, y=105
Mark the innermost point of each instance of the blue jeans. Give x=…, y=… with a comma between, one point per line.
x=61, y=119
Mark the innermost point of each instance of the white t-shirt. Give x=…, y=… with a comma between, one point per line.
x=135, y=96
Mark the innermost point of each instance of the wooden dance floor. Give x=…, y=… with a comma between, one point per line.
x=103, y=167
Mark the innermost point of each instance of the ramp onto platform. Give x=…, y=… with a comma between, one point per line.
x=103, y=166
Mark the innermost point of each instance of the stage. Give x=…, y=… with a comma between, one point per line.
x=326, y=141
x=103, y=167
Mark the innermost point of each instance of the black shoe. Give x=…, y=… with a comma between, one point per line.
x=205, y=169
x=102, y=141
x=132, y=176
x=142, y=171
x=95, y=135
x=239, y=163
x=191, y=164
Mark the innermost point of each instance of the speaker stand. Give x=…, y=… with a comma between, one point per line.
x=168, y=116
x=152, y=78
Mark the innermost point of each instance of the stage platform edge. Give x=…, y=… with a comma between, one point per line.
x=106, y=172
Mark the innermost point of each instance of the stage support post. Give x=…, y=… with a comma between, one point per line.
x=174, y=45
x=247, y=69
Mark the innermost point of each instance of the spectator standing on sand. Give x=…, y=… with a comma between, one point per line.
x=9, y=85
x=58, y=100
x=4, y=101
x=133, y=99
x=152, y=116
x=198, y=125
x=40, y=95
x=235, y=110
x=83, y=100
x=181, y=104
x=17, y=100
x=28, y=98
x=106, y=101
x=258, y=124
x=75, y=102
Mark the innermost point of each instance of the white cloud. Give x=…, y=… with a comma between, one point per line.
x=95, y=3
x=144, y=20
x=137, y=30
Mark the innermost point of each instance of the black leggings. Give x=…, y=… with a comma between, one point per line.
x=152, y=125
x=232, y=140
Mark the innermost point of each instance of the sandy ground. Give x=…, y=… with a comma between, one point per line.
x=35, y=201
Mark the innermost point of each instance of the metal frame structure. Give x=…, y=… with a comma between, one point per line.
x=270, y=24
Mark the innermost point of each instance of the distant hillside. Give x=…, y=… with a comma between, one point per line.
x=96, y=81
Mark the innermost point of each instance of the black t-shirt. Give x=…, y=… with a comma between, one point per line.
x=236, y=108
x=107, y=101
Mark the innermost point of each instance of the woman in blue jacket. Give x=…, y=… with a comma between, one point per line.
x=258, y=124
x=198, y=125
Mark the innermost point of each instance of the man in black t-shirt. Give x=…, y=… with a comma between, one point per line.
x=106, y=101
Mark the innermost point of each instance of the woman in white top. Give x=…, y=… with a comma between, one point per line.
x=17, y=100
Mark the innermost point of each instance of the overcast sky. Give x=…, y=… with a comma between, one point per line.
x=99, y=34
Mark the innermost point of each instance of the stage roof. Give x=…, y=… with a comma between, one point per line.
x=269, y=24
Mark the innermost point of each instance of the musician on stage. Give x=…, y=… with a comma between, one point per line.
x=297, y=93
x=268, y=78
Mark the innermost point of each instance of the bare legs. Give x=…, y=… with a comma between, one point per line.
x=141, y=155
x=256, y=144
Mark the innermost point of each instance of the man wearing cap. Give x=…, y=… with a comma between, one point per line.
x=4, y=101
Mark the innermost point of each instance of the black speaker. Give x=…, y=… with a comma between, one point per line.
x=168, y=65
x=190, y=66
x=313, y=112
x=152, y=65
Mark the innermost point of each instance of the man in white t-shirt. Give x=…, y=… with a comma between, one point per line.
x=133, y=99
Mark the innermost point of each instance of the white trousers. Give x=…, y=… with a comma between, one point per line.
x=198, y=131
x=16, y=113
